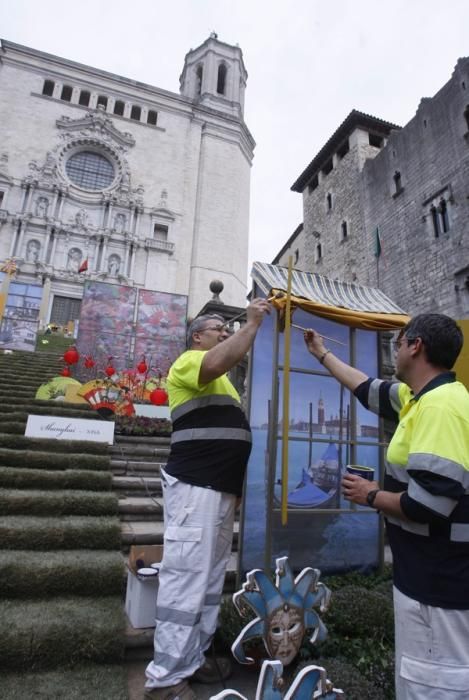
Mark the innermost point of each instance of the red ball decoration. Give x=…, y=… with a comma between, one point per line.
x=158, y=397
x=142, y=366
x=89, y=362
x=71, y=356
x=66, y=372
x=110, y=370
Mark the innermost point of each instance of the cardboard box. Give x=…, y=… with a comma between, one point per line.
x=140, y=600
x=145, y=555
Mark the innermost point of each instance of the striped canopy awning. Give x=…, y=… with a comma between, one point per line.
x=351, y=304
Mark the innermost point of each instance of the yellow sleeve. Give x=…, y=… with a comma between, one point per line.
x=185, y=371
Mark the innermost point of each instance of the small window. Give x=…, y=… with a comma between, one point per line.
x=152, y=117
x=375, y=140
x=48, y=88
x=297, y=255
x=199, y=74
x=344, y=149
x=443, y=212
x=318, y=252
x=160, y=232
x=329, y=201
x=66, y=95
x=466, y=116
x=344, y=230
x=313, y=183
x=102, y=100
x=119, y=107
x=328, y=167
x=2, y=197
x=435, y=220
x=397, y=182
x=84, y=98
x=221, y=80
x=136, y=113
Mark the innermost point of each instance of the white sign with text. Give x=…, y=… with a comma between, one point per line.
x=58, y=428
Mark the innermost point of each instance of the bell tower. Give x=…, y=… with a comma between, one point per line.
x=214, y=75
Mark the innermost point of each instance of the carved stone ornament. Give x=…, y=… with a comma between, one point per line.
x=98, y=125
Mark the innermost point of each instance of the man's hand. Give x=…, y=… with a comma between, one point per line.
x=356, y=489
x=314, y=343
x=256, y=311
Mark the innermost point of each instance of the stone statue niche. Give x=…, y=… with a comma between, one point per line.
x=42, y=206
x=32, y=251
x=113, y=265
x=120, y=221
x=74, y=259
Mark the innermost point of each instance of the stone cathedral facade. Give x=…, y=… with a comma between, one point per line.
x=141, y=186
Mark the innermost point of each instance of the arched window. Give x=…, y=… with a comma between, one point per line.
x=66, y=95
x=136, y=112
x=84, y=98
x=48, y=88
x=102, y=100
x=119, y=107
x=199, y=75
x=221, y=80
x=466, y=116
x=152, y=117
x=329, y=201
x=344, y=230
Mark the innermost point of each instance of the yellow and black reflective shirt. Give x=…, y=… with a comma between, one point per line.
x=211, y=438
x=428, y=460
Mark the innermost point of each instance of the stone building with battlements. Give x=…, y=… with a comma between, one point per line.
x=388, y=207
x=141, y=186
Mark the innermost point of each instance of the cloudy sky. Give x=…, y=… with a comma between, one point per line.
x=309, y=62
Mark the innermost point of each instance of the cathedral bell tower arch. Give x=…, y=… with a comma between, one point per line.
x=214, y=75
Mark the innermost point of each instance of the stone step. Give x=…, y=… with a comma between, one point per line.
x=140, y=508
x=126, y=467
x=143, y=532
x=138, y=451
x=147, y=440
x=136, y=485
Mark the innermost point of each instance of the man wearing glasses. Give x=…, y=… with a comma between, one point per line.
x=202, y=480
x=425, y=500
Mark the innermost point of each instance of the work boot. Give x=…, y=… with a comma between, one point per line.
x=180, y=691
x=213, y=670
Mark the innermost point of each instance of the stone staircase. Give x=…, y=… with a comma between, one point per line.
x=134, y=464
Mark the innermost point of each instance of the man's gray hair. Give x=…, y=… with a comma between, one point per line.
x=198, y=324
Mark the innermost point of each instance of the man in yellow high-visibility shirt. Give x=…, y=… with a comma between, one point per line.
x=210, y=446
x=425, y=500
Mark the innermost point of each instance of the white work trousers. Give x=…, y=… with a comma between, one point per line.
x=197, y=546
x=432, y=651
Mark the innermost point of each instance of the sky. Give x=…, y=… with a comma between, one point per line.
x=309, y=62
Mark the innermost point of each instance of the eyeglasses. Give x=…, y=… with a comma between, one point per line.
x=397, y=343
x=219, y=329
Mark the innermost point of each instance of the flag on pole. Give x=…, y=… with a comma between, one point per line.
x=377, y=243
x=84, y=266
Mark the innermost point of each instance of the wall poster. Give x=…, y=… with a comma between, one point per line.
x=18, y=328
x=125, y=323
x=328, y=429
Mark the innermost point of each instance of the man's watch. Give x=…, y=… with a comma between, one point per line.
x=370, y=497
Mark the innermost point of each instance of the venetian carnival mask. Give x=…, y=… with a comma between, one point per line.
x=284, y=633
x=285, y=611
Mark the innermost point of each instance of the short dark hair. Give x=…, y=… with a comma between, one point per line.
x=441, y=336
x=198, y=324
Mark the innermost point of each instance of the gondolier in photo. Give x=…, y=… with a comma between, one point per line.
x=202, y=481
x=425, y=501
